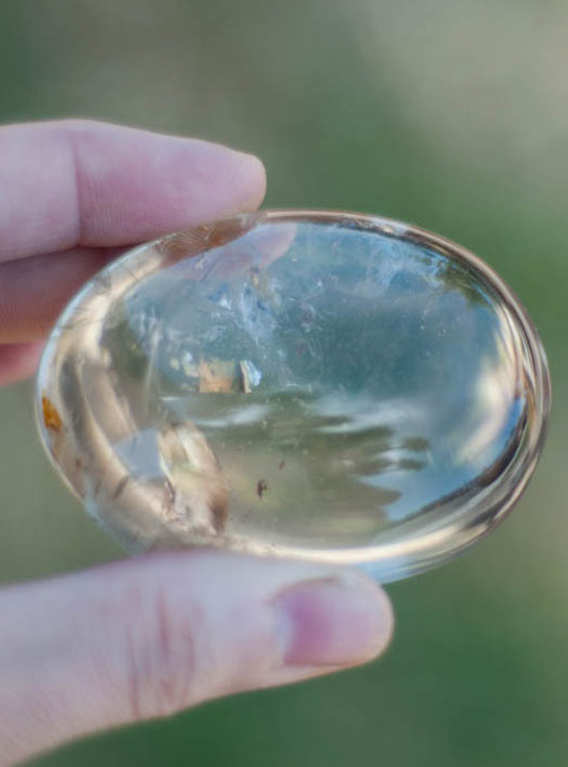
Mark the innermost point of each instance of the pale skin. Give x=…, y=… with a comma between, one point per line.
x=151, y=636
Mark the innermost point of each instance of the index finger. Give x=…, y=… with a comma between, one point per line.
x=72, y=183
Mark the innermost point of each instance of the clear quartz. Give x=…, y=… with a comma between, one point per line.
x=327, y=386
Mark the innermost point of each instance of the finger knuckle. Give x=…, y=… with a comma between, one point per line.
x=161, y=664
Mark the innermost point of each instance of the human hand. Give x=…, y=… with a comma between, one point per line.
x=153, y=635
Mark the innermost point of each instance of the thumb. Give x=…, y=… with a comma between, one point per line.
x=148, y=637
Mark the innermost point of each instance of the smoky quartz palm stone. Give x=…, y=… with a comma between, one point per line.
x=329, y=386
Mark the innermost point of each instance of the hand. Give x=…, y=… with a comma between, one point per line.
x=146, y=637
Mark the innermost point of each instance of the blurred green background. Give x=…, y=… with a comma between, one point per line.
x=452, y=114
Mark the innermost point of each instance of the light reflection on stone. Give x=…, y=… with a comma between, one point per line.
x=327, y=386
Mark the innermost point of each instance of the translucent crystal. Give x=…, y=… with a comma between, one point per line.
x=328, y=386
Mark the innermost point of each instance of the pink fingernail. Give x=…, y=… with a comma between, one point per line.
x=332, y=621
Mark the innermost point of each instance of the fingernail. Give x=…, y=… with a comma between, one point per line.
x=333, y=622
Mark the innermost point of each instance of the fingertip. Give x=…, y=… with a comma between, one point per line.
x=153, y=184
x=232, y=181
x=253, y=178
x=19, y=361
x=383, y=611
x=333, y=622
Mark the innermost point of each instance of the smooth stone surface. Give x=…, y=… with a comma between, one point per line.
x=320, y=385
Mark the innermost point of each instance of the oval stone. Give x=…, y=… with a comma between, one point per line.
x=328, y=386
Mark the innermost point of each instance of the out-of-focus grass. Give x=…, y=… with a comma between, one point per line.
x=448, y=113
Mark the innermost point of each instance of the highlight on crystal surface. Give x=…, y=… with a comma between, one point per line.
x=328, y=386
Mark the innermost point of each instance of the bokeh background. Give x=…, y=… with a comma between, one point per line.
x=452, y=114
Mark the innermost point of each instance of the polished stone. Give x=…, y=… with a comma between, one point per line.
x=335, y=387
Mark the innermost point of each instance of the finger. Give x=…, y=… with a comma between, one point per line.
x=34, y=290
x=18, y=361
x=87, y=183
x=147, y=638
